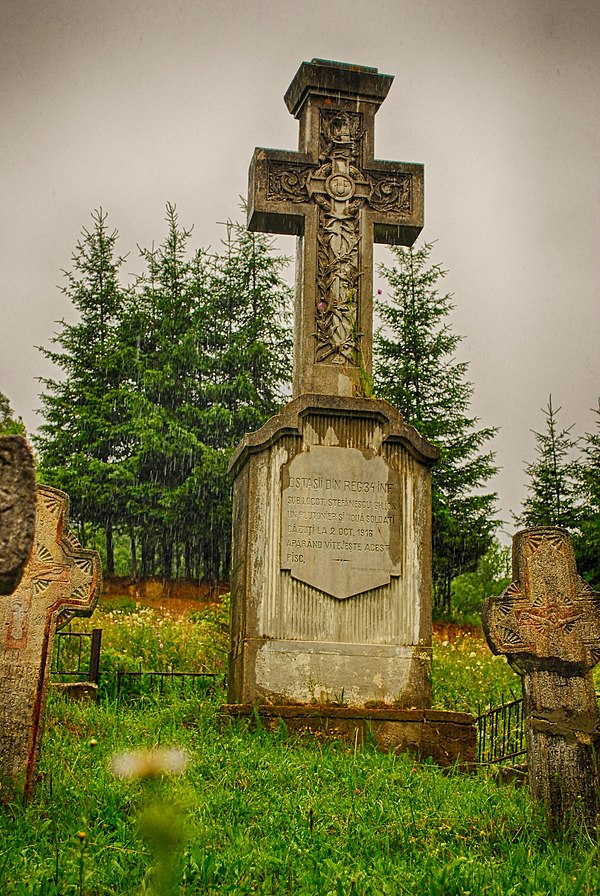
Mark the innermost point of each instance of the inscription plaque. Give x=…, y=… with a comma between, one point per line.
x=340, y=520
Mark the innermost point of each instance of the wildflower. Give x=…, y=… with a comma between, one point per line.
x=144, y=764
x=378, y=292
x=357, y=791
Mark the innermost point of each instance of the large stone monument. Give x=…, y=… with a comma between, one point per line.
x=61, y=580
x=331, y=570
x=17, y=510
x=547, y=624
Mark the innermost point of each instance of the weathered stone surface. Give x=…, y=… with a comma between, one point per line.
x=363, y=634
x=61, y=580
x=547, y=623
x=337, y=198
x=17, y=510
x=340, y=527
x=446, y=737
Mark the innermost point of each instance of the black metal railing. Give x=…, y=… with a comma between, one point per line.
x=501, y=733
x=124, y=683
x=77, y=654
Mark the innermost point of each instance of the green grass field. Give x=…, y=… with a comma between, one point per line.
x=270, y=813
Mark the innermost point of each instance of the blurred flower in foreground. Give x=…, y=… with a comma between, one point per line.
x=144, y=764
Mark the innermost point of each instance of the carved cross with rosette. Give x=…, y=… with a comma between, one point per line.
x=61, y=580
x=338, y=200
x=547, y=624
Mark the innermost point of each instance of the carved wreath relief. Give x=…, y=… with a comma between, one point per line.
x=552, y=612
x=341, y=190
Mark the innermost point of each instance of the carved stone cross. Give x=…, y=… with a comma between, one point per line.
x=547, y=623
x=338, y=200
x=61, y=580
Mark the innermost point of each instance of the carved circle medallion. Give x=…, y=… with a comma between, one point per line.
x=339, y=186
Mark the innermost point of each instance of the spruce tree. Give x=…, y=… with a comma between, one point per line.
x=552, y=489
x=416, y=370
x=212, y=362
x=84, y=435
x=587, y=537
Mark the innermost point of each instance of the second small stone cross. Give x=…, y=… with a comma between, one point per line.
x=338, y=199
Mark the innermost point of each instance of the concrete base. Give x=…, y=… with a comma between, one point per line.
x=446, y=737
x=330, y=672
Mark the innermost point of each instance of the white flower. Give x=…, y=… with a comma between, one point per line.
x=144, y=764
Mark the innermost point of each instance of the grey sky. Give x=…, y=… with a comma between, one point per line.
x=127, y=105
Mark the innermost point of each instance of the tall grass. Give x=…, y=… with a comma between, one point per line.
x=277, y=813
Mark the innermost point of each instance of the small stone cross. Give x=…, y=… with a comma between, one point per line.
x=61, y=580
x=338, y=199
x=547, y=623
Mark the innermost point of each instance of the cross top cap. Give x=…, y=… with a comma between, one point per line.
x=344, y=80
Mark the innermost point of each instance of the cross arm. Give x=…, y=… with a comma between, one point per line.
x=396, y=203
x=278, y=200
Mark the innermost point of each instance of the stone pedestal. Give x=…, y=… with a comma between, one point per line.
x=331, y=571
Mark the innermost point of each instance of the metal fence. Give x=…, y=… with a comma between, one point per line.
x=501, y=733
x=131, y=684
x=77, y=654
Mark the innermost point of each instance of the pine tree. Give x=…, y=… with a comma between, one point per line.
x=416, y=370
x=84, y=436
x=9, y=424
x=552, y=490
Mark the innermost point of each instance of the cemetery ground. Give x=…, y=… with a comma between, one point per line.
x=267, y=812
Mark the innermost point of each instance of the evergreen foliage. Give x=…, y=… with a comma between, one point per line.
x=160, y=381
x=84, y=434
x=552, y=490
x=9, y=424
x=416, y=370
x=587, y=539
x=490, y=578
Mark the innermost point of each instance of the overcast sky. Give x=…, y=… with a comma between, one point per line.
x=128, y=105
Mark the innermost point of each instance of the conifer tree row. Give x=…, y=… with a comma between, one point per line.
x=160, y=379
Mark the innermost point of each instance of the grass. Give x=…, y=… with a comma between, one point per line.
x=276, y=813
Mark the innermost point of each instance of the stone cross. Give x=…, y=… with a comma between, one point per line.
x=338, y=200
x=61, y=580
x=17, y=509
x=547, y=623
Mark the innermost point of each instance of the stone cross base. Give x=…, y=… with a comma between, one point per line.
x=563, y=737
x=331, y=571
